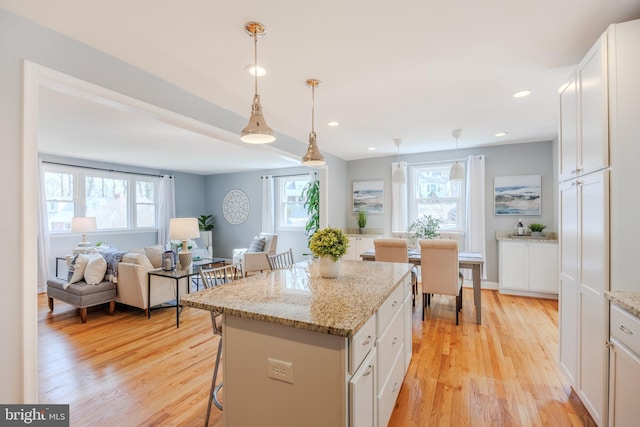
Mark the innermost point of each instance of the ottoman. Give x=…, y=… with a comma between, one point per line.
x=82, y=295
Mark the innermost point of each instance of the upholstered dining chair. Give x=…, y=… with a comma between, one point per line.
x=212, y=277
x=281, y=260
x=396, y=250
x=440, y=271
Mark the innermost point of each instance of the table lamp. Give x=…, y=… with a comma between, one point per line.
x=184, y=229
x=84, y=225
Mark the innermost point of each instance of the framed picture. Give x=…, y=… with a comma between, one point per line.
x=517, y=195
x=368, y=196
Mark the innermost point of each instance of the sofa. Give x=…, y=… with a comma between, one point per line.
x=127, y=283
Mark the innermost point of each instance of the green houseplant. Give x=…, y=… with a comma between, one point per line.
x=425, y=227
x=536, y=228
x=206, y=222
x=311, y=196
x=329, y=245
x=362, y=220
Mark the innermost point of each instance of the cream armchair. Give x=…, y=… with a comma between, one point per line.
x=254, y=258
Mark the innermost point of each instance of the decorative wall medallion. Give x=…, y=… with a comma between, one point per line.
x=235, y=207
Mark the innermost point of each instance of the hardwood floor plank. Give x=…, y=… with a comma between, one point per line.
x=126, y=369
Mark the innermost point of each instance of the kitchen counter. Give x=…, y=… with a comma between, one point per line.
x=300, y=298
x=629, y=300
x=549, y=237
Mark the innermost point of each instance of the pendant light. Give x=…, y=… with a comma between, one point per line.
x=313, y=157
x=257, y=131
x=456, y=172
x=399, y=173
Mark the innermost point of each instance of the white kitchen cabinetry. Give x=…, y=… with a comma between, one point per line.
x=357, y=245
x=528, y=267
x=362, y=394
x=624, y=368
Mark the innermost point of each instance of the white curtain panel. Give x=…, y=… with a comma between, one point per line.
x=399, y=205
x=166, y=207
x=475, y=236
x=268, y=204
x=43, y=233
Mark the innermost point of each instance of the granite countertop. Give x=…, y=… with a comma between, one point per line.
x=549, y=237
x=629, y=300
x=298, y=297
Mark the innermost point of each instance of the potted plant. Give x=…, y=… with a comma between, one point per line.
x=207, y=223
x=311, y=196
x=329, y=245
x=362, y=220
x=536, y=229
x=424, y=227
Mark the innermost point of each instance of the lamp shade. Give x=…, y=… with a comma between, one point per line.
x=456, y=173
x=399, y=175
x=81, y=224
x=313, y=157
x=183, y=228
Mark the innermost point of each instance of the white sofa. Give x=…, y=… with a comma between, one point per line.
x=256, y=261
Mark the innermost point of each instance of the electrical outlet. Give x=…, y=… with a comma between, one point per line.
x=279, y=370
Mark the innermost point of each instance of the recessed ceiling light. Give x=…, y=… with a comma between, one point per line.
x=251, y=70
x=371, y=148
x=501, y=134
x=333, y=124
x=522, y=93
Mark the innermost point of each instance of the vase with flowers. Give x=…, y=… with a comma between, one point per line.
x=329, y=245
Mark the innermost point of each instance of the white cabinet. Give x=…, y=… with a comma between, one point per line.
x=357, y=245
x=528, y=267
x=624, y=368
x=362, y=394
x=584, y=128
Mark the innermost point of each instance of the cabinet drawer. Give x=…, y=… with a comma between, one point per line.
x=389, y=346
x=387, y=397
x=361, y=343
x=389, y=308
x=625, y=327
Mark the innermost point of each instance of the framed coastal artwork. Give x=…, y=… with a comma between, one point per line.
x=368, y=196
x=517, y=195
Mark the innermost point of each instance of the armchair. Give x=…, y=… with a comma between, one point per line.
x=255, y=257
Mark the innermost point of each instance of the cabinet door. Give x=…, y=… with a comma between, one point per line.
x=362, y=394
x=568, y=131
x=569, y=270
x=514, y=265
x=593, y=307
x=543, y=267
x=624, y=377
x=594, y=115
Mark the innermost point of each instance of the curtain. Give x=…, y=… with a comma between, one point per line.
x=166, y=207
x=43, y=232
x=268, y=205
x=475, y=235
x=399, y=205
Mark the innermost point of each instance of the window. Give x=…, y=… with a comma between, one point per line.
x=431, y=193
x=290, y=211
x=75, y=191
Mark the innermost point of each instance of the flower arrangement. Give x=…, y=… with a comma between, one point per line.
x=329, y=241
x=425, y=227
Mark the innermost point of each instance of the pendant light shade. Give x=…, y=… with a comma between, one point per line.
x=313, y=157
x=456, y=173
x=257, y=130
x=399, y=174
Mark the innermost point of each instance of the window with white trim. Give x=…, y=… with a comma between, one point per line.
x=290, y=211
x=118, y=200
x=431, y=193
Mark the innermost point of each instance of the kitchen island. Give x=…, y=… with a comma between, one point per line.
x=302, y=350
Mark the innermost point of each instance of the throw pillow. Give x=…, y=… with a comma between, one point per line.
x=257, y=245
x=76, y=269
x=154, y=253
x=139, y=259
x=96, y=267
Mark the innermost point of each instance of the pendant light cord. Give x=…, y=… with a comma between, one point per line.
x=313, y=103
x=255, y=62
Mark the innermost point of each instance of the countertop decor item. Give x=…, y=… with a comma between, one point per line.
x=329, y=245
x=536, y=229
x=362, y=220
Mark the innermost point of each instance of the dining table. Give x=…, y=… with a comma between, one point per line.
x=466, y=260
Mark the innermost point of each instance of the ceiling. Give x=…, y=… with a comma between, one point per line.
x=408, y=69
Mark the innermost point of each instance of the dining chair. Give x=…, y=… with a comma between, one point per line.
x=212, y=277
x=440, y=271
x=396, y=250
x=281, y=260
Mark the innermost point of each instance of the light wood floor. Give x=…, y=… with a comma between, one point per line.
x=127, y=370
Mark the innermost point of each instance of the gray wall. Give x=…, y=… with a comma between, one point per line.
x=518, y=159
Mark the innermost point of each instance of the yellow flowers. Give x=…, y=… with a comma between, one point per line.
x=329, y=241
